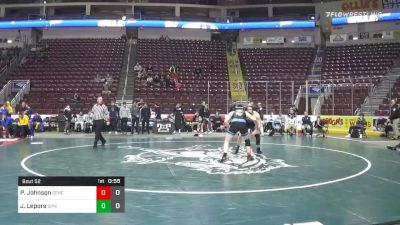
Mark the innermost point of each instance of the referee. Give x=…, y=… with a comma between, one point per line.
x=100, y=114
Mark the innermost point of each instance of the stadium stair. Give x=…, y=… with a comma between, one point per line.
x=236, y=80
x=380, y=93
x=125, y=86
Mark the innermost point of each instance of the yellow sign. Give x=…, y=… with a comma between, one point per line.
x=236, y=80
x=361, y=5
x=341, y=124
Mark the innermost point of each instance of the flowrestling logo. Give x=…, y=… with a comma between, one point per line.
x=203, y=158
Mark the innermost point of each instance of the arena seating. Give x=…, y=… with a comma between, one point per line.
x=69, y=66
x=384, y=108
x=365, y=63
x=276, y=64
x=7, y=54
x=187, y=55
x=342, y=101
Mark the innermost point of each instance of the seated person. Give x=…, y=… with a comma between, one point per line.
x=306, y=126
x=270, y=122
x=37, y=122
x=6, y=126
x=23, y=125
x=291, y=123
x=361, y=124
x=388, y=128
x=88, y=124
x=79, y=122
x=281, y=120
x=137, y=67
x=216, y=122
x=320, y=126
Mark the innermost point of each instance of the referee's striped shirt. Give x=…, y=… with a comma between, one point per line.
x=100, y=112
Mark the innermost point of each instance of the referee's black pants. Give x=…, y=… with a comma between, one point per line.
x=98, y=127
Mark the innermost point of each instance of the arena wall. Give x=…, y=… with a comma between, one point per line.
x=192, y=34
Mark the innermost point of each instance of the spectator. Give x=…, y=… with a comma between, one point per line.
x=124, y=112
x=216, y=121
x=109, y=80
x=179, y=118
x=306, y=124
x=142, y=75
x=150, y=68
x=9, y=108
x=168, y=82
x=206, y=120
x=79, y=122
x=156, y=79
x=135, y=118
x=76, y=99
x=197, y=72
x=149, y=81
x=145, y=115
x=37, y=122
x=320, y=126
x=6, y=126
x=114, y=116
x=23, y=125
x=167, y=38
x=106, y=91
x=157, y=111
x=162, y=38
x=361, y=123
x=172, y=69
x=68, y=118
x=395, y=118
x=201, y=112
x=3, y=111
x=137, y=68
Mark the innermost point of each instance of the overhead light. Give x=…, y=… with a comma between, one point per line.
x=292, y=41
x=312, y=17
x=9, y=41
x=355, y=38
x=124, y=18
x=44, y=2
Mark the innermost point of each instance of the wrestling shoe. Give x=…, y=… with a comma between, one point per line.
x=259, y=151
x=237, y=147
x=392, y=148
x=224, y=158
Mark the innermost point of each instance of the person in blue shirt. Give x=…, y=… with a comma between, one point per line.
x=361, y=125
x=6, y=125
x=36, y=121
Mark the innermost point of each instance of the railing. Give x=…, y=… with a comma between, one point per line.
x=5, y=92
x=298, y=96
x=24, y=90
x=127, y=71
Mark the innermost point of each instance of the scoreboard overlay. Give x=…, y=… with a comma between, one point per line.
x=71, y=194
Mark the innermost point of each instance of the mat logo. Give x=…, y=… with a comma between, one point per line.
x=203, y=158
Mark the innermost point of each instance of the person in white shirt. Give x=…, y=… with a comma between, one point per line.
x=124, y=113
x=79, y=122
x=137, y=67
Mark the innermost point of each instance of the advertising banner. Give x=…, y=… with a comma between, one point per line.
x=275, y=40
x=338, y=38
x=17, y=85
x=341, y=124
x=363, y=35
x=302, y=39
x=391, y=4
x=361, y=5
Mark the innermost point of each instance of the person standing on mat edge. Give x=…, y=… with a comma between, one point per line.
x=100, y=115
x=394, y=118
x=114, y=116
